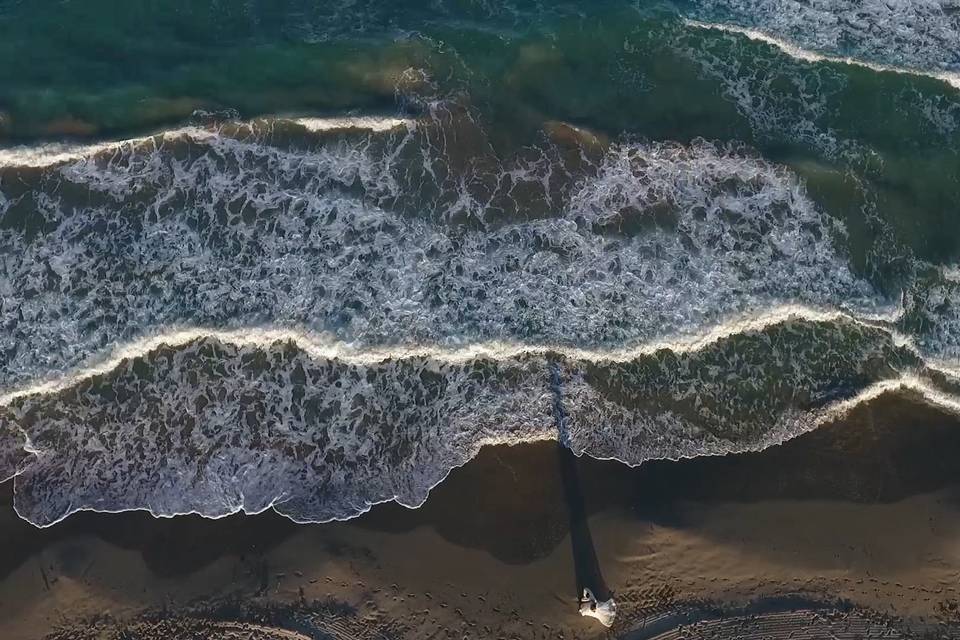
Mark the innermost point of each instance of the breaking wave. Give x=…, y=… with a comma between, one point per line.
x=916, y=36
x=212, y=427
x=319, y=316
x=387, y=240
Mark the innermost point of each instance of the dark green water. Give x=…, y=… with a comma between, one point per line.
x=96, y=70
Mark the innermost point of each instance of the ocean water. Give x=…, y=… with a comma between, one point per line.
x=313, y=256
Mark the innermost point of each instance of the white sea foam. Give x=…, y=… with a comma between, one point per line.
x=50, y=154
x=783, y=99
x=366, y=123
x=323, y=346
x=662, y=240
x=248, y=429
x=952, y=78
x=932, y=316
x=215, y=428
x=218, y=324
x=53, y=153
x=918, y=36
x=779, y=100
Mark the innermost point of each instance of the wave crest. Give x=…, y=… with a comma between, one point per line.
x=213, y=428
x=389, y=238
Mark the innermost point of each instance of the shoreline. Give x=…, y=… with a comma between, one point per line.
x=895, y=393
x=490, y=546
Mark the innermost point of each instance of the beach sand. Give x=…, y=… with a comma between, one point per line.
x=865, y=511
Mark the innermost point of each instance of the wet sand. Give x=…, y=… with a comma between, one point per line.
x=862, y=516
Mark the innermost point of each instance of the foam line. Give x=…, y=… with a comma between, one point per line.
x=278, y=501
x=52, y=154
x=321, y=347
x=367, y=123
x=839, y=410
x=477, y=404
x=836, y=411
x=794, y=51
x=374, y=275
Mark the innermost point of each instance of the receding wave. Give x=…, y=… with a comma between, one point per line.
x=213, y=428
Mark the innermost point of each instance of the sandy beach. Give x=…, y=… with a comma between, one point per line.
x=489, y=556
